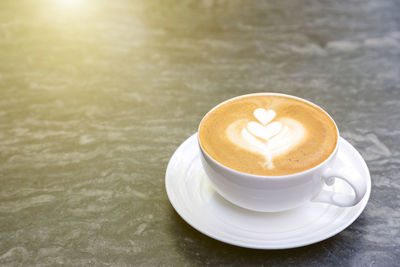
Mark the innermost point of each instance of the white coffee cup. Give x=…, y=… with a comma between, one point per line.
x=279, y=193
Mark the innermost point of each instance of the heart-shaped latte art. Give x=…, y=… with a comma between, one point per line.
x=265, y=136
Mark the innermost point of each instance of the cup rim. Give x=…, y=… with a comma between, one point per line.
x=270, y=176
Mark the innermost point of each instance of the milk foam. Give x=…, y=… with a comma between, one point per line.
x=265, y=136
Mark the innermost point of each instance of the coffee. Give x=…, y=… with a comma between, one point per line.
x=268, y=134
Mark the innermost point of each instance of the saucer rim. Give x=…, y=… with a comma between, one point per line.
x=214, y=234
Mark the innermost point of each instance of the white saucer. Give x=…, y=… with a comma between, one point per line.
x=192, y=196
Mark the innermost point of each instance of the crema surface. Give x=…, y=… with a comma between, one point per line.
x=268, y=135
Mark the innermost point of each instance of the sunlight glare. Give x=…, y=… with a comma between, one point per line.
x=69, y=3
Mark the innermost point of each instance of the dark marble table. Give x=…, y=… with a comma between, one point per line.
x=95, y=96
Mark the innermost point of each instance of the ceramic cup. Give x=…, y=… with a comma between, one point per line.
x=279, y=193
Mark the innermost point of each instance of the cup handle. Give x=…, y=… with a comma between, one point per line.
x=355, y=180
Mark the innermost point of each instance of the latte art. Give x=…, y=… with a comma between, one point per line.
x=268, y=134
x=266, y=137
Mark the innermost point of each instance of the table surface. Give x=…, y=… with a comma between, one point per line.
x=95, y=96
